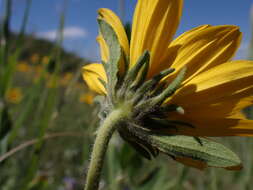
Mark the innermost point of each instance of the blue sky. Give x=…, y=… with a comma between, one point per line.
x=81, y=27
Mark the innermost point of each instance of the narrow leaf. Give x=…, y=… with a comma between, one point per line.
x=151, y=84
x=206, y=154
x=114, y=51
x=131, y=78
x=172, y=87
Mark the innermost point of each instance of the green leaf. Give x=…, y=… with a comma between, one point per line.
x=115, y=53
x=194, y=150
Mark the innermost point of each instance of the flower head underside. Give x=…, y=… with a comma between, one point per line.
x=183, y=86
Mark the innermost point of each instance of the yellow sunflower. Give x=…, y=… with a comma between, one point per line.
x=214, y=90
x=174, y=92
x=14, y=95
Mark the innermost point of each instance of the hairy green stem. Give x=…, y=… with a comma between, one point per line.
x=104, y=134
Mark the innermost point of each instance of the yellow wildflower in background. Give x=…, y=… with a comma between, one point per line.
x=14, y=95
x=23, y=67
x=86, y=97
x=79, y=85
x=66, y=78
x=52, y=81
x=45, y=60
x=38, y=69
x=35, y=58
x=214, y=90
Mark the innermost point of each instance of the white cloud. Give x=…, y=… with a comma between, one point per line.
x=71, y=32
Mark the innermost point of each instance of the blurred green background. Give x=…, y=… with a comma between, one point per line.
x=48, y=123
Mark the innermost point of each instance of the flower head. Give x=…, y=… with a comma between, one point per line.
x=14, y=95
x=186, y=86
x=67, y=77
x=45, y=60
x=35, y=58
x=23, y=67
x=87, y=98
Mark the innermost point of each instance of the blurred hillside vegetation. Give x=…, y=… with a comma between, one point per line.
x=44, y=103
x=37, y=50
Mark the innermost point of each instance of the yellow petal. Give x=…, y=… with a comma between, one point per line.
x=217, y=103
x=216, y=127
x=220, y=81
x=180, y=40
x=91, y=73
x=233, y=105
x=112, y=19
x=104, y=51
x=14, y=95
x=173, y=49
x=204, y=48
x=198, y=164
x=154, y=24
x=213, y=101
